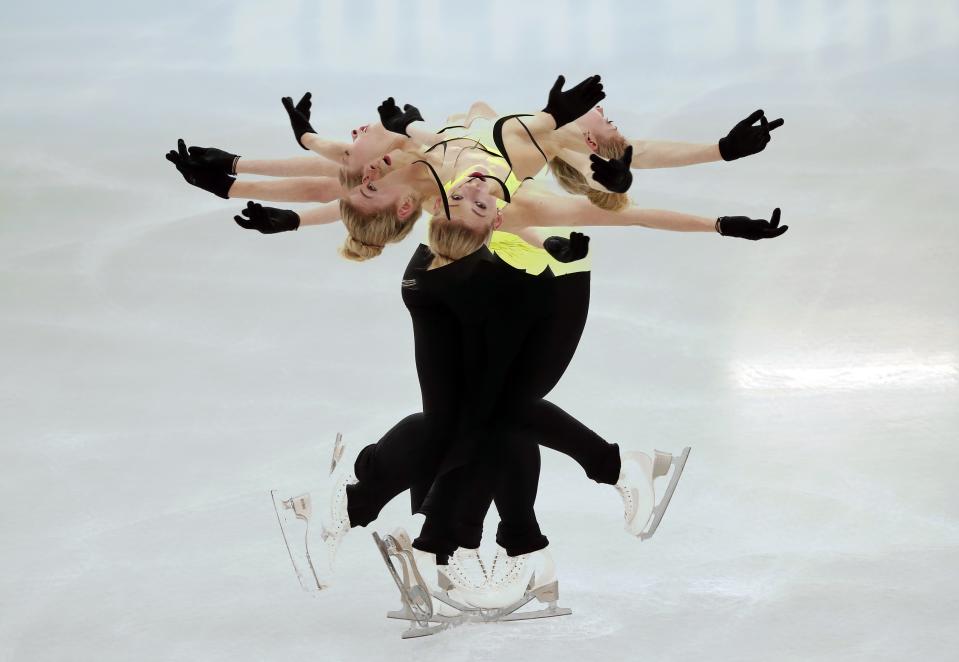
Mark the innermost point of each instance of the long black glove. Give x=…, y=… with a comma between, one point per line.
x=211, y=157
x=268, y=220
x=569, y=106
x=750, y=228
x=215, y=181
x=396, y=120
x=568, y=250
x=614, y=174
x=745, y=139
x=299, y=116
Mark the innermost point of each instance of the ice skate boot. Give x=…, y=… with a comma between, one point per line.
x=337, y=523
x=514, y=581
x=635, y=485
x=466, y=569
x=418, y=605
x=312, y=541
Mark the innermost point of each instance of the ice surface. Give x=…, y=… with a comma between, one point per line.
x=163, y=369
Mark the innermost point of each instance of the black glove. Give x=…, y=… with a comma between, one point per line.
x=614, y=174
x=567, y=250
x=396, y=120
x=268, y=220
x=750, y=228
x=299, y=117
x=211, y=157
x=569, y=106
x=745, y=139
x=209, y=179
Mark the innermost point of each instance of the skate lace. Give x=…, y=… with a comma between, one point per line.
x=458, y=575
x=512, y=572
x=629, y=505
x=340, y=518
x=462, y=559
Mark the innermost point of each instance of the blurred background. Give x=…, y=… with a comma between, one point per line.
x=164, y=369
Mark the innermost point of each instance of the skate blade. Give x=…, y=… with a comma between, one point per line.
x=297, y=548
x=548, y=612
x=416, y=630
x=338, y=448
x=405, y=614
x=416, y=600
x=679, y=463
x=512, y=613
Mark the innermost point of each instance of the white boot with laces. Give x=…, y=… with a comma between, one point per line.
x=515, y=578
x=635, y=485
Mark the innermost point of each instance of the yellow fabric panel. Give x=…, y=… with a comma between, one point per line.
x=520, y=255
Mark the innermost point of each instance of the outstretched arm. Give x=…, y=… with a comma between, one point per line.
x=550, y=210
x=300, y=166
x=547, y=209
x=306, y=136
x=744, y=139
x=667, y=154
x=329, y=149
x=293, y=189
x=232, y=164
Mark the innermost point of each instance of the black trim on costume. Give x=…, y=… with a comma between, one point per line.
x=498, y=137
x=439, y=184
x=478, y=145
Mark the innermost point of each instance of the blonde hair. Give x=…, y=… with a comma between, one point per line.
x=452, y=240
x=572, y=180
x=367, y=234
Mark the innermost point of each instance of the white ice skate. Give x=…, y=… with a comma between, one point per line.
x=312, y=562
x=635, y=485
x=514, y=581
x=466, y=569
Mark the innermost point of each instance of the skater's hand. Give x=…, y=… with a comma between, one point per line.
x=749, y=228
x=745, y=139
x=615, y=174
x=299, y=116
x=211, y=157
x=268, y=220
x=209, y=179
x=568, y=250
x=396, y=120
x=568, y=106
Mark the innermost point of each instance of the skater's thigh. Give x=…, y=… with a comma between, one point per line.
x=544, y=357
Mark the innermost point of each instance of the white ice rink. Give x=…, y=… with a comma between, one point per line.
x=162, y=369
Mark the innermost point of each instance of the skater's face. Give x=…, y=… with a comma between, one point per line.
x=370, y=143
x=473, y=203
x=597, y=128
x=377, y=168
x=379, y=194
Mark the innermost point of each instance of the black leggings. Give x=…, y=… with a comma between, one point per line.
x=506, y=468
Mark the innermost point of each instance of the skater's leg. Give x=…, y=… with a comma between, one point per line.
x=540, y=364
x=554, y=428
x=459, y=500
x=389, y=467
x=515, y=495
